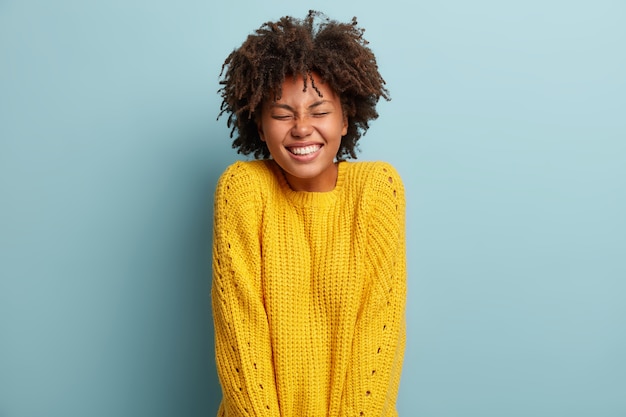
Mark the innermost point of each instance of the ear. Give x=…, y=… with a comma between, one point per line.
x=344, y=131
x=259, y=126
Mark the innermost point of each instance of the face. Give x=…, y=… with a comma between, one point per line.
x=303, y=132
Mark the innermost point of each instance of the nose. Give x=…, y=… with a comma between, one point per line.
x=302, y=127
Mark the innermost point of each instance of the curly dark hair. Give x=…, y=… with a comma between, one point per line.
x=336, y=51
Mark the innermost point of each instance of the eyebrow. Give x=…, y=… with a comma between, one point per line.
x=288, y=107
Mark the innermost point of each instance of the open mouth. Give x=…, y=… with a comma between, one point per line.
x=304, y=150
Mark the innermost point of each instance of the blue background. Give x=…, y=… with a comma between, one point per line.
x=508, y=125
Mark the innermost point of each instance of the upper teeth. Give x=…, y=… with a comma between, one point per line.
x=304, y=150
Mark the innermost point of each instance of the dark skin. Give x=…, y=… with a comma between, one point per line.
x=292, y=48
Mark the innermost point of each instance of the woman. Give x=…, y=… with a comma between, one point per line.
x=309, y=269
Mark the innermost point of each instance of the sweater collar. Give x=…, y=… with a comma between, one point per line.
x=307, y=198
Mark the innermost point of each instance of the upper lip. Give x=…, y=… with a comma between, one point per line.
x=303, y=144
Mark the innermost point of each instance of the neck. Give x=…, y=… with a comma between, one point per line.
x=322, y=183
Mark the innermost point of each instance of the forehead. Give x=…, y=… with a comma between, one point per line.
x=300, y=88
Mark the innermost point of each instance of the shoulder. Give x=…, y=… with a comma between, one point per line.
x=243, y=182
x=246, y=175
x=378, y=178
x=240, y=173
x=384, y=197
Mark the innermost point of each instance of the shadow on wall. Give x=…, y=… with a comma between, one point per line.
x=216, y=167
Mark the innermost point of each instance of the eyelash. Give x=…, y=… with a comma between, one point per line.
x=285, y=117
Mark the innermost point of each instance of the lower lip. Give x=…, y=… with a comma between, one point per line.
x=305, y=158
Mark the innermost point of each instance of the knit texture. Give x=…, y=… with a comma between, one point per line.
x=309, y=292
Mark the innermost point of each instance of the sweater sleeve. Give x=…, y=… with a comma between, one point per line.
x=373, y=375
x=242, y=339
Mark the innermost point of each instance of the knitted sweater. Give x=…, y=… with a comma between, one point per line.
x=309, y=292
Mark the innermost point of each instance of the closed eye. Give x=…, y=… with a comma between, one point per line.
x=281, y=116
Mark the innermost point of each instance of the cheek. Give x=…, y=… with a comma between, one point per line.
x=270, y=133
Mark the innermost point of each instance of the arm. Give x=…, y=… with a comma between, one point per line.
x=378, y=348
x=242, y=341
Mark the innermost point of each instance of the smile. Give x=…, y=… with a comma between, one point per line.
x=304, y=150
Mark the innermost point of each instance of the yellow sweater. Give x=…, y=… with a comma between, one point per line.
x=309, y=292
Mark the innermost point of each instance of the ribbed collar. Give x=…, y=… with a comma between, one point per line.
x=308, y=198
